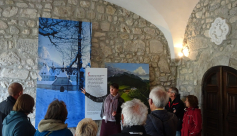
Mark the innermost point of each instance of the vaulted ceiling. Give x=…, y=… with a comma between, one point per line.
x=170, y=16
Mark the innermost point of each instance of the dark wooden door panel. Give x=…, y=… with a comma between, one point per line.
x=212, y=104
x=232, y=131
x=212, y=122
x=220, y=102
x=230, y=101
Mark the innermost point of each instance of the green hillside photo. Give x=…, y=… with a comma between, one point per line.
x=133, y=80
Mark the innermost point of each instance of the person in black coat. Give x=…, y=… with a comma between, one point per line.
x=176, y=106
x=110, y=111
x=134, y=114
x=14, y=91
x=160, y=122
x=2, y=116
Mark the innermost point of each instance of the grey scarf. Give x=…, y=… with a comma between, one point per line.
x=110, y=105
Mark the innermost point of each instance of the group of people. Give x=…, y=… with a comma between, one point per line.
x=168, y=116
x=119, y=118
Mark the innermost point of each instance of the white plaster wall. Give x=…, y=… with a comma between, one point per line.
x=170, y=16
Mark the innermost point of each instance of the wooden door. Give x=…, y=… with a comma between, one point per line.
x=230, y=101
x=220, y=102
x=212, y=102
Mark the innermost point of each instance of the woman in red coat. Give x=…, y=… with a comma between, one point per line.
x=192, y=120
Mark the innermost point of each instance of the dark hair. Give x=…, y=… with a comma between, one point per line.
x=14, y=89
x=193, y=101
x=24, y=103
x=175, y=90
x=57, y=110
x=115, y=85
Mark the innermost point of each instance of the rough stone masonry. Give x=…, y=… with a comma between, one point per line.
x=119, y=36
x=205, y=54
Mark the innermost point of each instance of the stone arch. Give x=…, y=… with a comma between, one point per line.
x=205, y=54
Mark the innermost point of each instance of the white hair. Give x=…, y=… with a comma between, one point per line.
x=134, y=113
x=86, y=127
x=159, y=96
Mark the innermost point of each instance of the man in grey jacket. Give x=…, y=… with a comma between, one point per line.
x=160, y=122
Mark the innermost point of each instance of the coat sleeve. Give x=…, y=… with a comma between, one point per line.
x=24, y=130
x=197, y=119
x=95, y=99
x=180, y=110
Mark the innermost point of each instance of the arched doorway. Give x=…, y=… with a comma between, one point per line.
x=219, y=90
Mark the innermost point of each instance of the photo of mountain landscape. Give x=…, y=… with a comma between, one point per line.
x=133, y=80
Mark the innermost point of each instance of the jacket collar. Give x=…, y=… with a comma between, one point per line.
x=11, y=99
x=136, y=128
x=191, y=108
x=159, y=112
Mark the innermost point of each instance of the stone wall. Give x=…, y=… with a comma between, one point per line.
x=205, y=54
x=118, y=36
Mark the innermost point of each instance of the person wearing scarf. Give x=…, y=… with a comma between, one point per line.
x=111, y=110
x=53, y=122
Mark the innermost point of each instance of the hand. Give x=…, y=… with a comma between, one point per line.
x=114, y=113
x=83, y=90
x=174, y=111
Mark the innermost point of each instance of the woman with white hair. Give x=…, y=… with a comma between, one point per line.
x=86, y=127
x=134, y=114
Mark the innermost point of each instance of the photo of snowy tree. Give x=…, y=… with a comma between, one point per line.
x=64, y=48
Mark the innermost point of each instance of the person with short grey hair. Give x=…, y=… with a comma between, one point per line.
x=134, y=115
x=160, y=122
x=86, y=127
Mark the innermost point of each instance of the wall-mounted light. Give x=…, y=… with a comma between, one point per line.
x=184, y=51
x=180, y=54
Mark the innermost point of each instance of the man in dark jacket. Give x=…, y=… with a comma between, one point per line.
x=160, y=122
x=134, y=114
x=14, y=91
x=176, y=106
x=2, y=116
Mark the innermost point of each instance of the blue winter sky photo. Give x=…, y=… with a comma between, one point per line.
x=64, y=48
x=141, y=70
